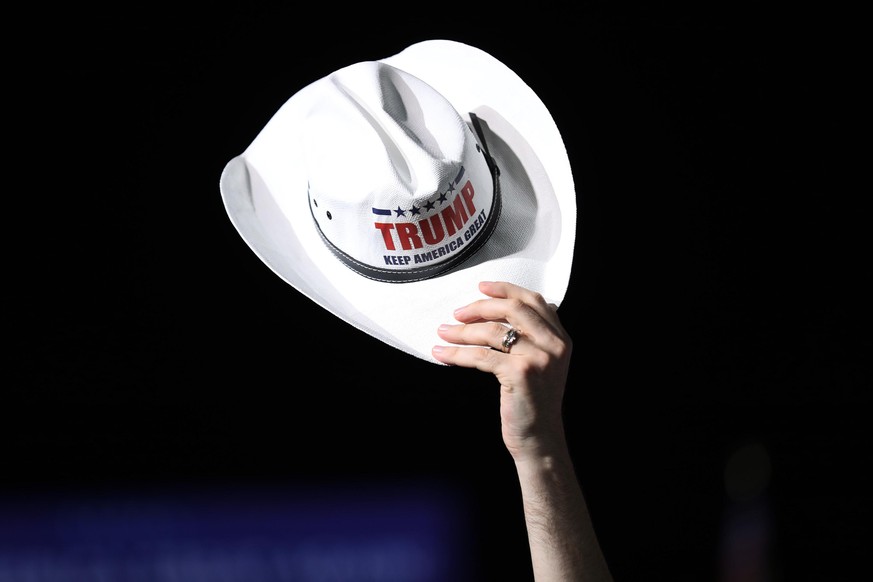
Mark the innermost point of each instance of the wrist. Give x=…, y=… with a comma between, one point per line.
x=542, y=449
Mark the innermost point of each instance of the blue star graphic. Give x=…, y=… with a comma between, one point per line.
x=429, y=205
x=400, y=211
x=414, y=210
x=442, y=197
x=451, y=187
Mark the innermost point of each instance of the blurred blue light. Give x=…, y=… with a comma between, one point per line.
x=315, y=534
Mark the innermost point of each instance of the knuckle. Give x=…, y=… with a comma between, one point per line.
x=564, y=348
x=532, y=365
x=560, y=345
x=537, y=298
x=481, y=354
x=526, y=366
x=540, y=361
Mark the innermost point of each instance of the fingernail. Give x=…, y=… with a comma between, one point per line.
x=437, y=349
x=444, y=327
x=459, y=310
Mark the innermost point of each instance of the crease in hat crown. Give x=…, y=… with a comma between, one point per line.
x=398, y=185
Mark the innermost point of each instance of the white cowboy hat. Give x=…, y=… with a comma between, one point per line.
x=386, y=191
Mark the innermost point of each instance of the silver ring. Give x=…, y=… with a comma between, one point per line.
x=510, y=338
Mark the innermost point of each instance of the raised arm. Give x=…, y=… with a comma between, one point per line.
x=532, y=372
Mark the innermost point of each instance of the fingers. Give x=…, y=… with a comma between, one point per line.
x=482, y=330
x=521, y=308
x=488, y=334
x=481, y=358
x=504, y=290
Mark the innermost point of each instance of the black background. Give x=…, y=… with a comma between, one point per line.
x=717, y=297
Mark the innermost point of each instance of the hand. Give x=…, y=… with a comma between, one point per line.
x=532, y=375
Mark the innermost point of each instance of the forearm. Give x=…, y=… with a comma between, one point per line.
x=563, y=543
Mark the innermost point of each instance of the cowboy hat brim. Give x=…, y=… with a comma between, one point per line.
x=532, y=244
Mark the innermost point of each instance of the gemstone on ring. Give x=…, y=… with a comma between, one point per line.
x=510, y=338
